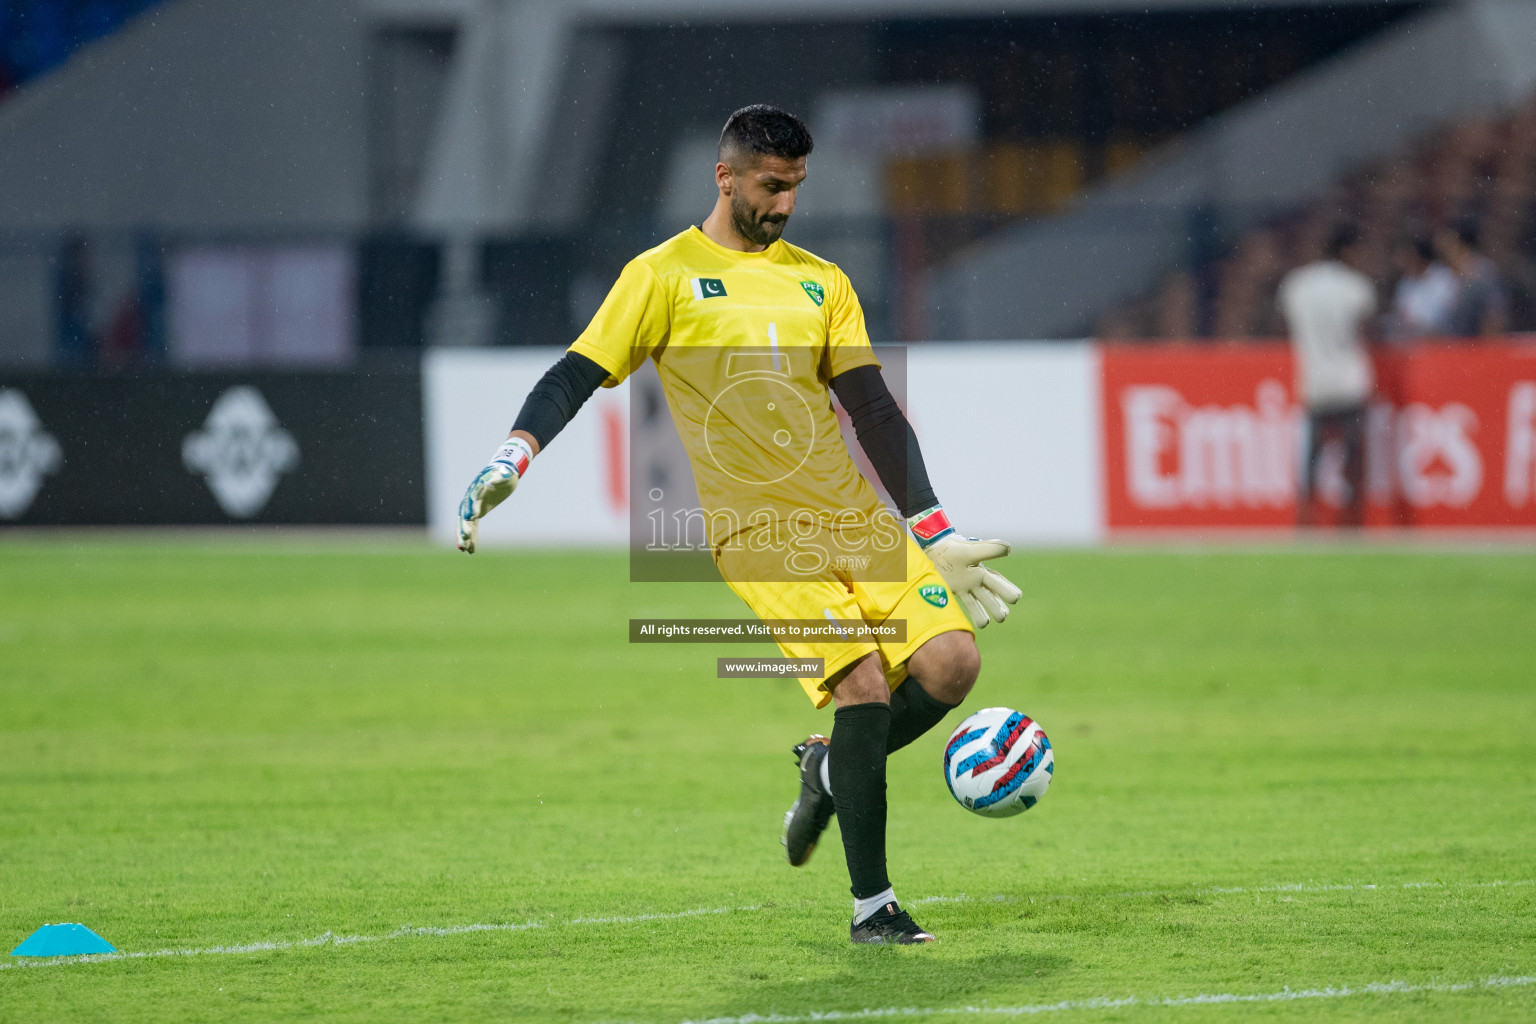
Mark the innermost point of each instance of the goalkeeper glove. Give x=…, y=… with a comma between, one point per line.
x=981, y=591
x=491, y=486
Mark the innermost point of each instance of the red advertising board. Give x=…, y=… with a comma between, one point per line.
x=1211, y=436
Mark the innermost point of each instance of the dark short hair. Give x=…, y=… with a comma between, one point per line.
x=1343, y=237
x=765, y=131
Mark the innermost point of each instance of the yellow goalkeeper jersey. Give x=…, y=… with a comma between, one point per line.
x=745, y=344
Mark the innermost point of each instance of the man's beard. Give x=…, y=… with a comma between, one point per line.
x=747, y=224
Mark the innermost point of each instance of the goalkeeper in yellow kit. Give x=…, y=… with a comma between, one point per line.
x=749, y=334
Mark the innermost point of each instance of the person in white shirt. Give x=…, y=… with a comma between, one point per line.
x=1326, y=303
x=1425, y=295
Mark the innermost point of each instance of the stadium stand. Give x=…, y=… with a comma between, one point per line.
x=39, y=35
x=1479, y=172
x=1191, y=199
x=480, y=207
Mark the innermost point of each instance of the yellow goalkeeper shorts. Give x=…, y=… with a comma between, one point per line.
x=922, y=600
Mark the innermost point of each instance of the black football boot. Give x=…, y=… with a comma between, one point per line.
x=889, y=924
x=807, y=819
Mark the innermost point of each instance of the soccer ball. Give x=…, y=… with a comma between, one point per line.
x=998, y=763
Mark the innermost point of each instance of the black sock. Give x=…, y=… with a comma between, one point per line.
x=856, y=769
x=913, y=712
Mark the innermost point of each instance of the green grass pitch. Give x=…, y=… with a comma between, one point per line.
x=1290, y=776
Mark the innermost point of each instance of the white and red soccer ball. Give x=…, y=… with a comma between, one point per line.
x=998, y=763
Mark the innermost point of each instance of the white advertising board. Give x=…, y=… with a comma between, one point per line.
x=1009, y=431
x=575, y=495
x=1011, y=438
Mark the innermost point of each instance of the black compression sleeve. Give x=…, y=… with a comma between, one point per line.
x=559, y=393
x=887, y=438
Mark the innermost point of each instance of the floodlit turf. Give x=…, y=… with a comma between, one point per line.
x=1291, y=775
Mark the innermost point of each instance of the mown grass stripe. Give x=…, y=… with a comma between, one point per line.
x=1380, y=988
x=417, y=931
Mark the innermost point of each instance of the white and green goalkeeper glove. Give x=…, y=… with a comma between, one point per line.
x=492, y=486
x=982, y=591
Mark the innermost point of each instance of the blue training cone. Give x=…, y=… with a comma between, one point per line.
x=63, y=940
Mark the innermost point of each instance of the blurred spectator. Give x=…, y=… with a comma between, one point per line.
x=1175, y=306
x=1247, y=282
x=1482, y=304
x=1482, y=168
x=1325, y=303
x=1425, y=294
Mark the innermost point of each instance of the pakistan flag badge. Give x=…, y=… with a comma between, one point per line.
x=707, y=287
x=934, y=595
x=815, y=291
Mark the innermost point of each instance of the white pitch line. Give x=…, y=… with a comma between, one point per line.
x=1285, y=995
x=407, y=931
x=663, y=917
x=1234, y=891
x=332, y=939
x=1360, y=887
